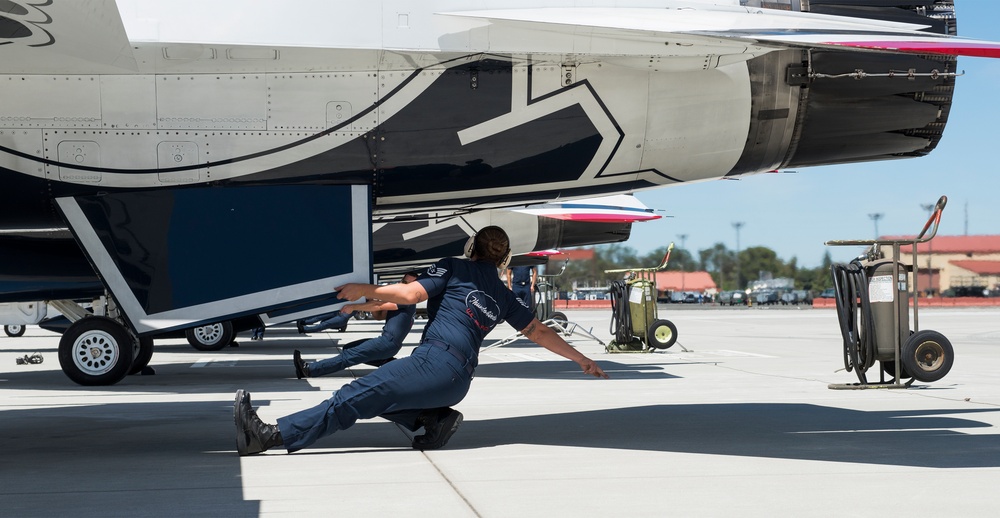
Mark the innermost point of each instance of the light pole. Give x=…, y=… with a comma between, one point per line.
x=683, y=238
x=875, y=217
x=738, y=225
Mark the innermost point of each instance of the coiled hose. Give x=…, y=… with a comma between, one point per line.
x=854, y=311
x=621, y=316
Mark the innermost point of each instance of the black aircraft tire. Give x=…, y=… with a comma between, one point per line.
x=96, y=351
x=927, y=355
x=14, y=330
x=211, y=337
x=143, y=353
x=661, y=334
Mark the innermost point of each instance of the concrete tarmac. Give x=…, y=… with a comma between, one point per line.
x=743, y=424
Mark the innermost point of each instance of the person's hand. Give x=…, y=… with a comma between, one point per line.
x=351, y=291
x=590, y=367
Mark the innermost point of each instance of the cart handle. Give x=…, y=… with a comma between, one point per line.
x=663, y=264
x=934, y=219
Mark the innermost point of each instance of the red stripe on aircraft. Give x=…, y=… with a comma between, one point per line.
x=950, y=48
x=604, y=218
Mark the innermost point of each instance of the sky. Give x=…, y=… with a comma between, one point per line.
x=795, y=213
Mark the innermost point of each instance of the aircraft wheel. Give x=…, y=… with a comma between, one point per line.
x=212, y=337
x=661, y=334
x=143, y=352
x=96, y=351
x=14, y=330
x=927, y=355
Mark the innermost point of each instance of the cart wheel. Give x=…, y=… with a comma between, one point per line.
x=928, y=355
x=889, y=366
x=560, y=316
x=661, y=334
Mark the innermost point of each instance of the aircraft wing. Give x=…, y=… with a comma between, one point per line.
x=732, y=30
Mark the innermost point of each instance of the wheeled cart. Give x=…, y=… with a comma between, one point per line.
x=634, y=323
x=872, y=294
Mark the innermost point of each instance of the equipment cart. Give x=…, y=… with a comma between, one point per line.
x=634, y=322
x=873, y=297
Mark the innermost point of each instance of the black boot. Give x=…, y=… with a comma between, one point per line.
x=252, y=434
x=439, y=425
x=301, y=367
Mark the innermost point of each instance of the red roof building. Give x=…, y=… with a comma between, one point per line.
x=953, y=261
x=685, y=281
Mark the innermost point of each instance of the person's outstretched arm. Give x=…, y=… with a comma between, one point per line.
x=378, y=309
x=544, y=336
x=411, y=293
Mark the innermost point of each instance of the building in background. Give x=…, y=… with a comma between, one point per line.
x=956, y=263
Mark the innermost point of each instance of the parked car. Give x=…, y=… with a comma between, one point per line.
x=828, y=293
x=965, y=291
x=766, y=297
x=732, y=298
x=795, y=297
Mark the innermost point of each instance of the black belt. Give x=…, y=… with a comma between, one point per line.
x=523, y=283
x=466, y=363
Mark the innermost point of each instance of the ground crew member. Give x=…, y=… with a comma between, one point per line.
x=521, y=280
x=376, y=351
x=465, y=301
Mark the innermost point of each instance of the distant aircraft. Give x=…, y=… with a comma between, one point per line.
x=215, y=161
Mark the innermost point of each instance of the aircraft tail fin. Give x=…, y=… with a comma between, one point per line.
x=48, y=37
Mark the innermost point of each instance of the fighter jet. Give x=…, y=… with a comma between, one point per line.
x=215, y=160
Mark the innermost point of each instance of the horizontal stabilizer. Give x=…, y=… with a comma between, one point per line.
x=610, y=209
x=722, y=29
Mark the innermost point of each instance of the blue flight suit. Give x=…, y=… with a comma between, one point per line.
x=467, y=300
x=397, y=324
x=520, y=283
x=335, y=320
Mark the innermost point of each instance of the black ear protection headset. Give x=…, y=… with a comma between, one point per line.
x=470, y=248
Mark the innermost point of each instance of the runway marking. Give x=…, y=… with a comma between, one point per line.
x=509, y=357
x=725, y=353
x=211, y=362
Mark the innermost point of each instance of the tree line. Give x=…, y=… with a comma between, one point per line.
x=729, y=270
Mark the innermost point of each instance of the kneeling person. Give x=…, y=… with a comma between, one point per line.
x=466, y=301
